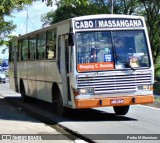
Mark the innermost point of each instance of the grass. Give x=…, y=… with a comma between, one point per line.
x=157, y=98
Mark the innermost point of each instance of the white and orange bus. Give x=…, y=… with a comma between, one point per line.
x=85, y=62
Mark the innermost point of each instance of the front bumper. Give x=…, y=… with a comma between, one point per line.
x=103, y=102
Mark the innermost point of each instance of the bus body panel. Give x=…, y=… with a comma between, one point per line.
x=63, y=30
x=118, y=85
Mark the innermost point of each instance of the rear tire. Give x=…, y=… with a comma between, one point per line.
x=121, y=110
x=24, y=98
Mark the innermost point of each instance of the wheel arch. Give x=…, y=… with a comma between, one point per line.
x=21, y=84
x=55, y=91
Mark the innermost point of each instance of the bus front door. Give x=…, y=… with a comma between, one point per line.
x=65, y=64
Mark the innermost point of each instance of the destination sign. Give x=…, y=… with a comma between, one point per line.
x=108, y=23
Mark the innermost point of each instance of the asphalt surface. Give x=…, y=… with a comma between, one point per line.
x=98, y=125
x=15, y=124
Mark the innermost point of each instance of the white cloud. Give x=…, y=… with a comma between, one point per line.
x=34, y=14
x=14, y=33
x=39, y=6
x=20, y=14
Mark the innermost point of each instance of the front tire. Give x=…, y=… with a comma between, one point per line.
x=121, y=110
x=60, y=109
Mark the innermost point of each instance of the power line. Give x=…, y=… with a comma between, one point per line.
x=27, y=21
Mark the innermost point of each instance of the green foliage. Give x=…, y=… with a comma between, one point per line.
x=157, y=98
x=6, y=28
x=126, y=6
x=152, y=14
x=65, y=12
x=71, y=8
x=156, y=87
x=148, y=8
x=6, y=8
x=157, y=69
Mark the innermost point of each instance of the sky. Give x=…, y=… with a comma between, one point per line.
x=34, y=22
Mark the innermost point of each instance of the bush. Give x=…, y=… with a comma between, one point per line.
x=156, y=87
x=157, y=71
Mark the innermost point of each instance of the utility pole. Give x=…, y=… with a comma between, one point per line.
x=111, y=6
x=27, y=20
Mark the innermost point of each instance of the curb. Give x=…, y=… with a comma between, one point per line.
x=47, y=119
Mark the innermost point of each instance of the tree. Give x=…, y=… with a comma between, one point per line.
x=126, y=6
x=148, y=8
x=6, y=8
x=71, y=9
x=152, y=13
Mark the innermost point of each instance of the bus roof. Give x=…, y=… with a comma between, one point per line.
x=87, y=17
x=98, y=16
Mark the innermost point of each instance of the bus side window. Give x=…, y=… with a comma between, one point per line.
x=41, y=42
x=32, y=48
x=24, y=49
x=51, y=44
x=51, y=51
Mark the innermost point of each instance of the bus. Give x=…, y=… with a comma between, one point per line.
x=85, y=62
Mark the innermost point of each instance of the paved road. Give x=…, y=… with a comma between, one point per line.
x=13, y=121
x=102, y=122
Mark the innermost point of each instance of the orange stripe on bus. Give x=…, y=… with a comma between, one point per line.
x=95, y=66
x=129, y=100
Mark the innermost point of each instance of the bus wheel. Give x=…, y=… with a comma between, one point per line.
x=60, y=109
x=121, y=110
x=24, y=98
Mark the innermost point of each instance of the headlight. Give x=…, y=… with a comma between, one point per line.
x=144, y=87
x=86, y=91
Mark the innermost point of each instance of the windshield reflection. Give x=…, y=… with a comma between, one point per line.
x=117, y=49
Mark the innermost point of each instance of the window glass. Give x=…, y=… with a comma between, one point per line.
x=130, y=49
x=25, y=43
x=32, y=41
x=93, y=48
x=40, y=53
x=32, y=47
x=111, y=49
x=51, y=44
x=13, y=47
x=41, y=39
x=24, y=49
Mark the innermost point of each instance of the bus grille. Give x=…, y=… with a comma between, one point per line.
x=114, y=83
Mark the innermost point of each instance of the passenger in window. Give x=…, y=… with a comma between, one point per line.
x=104, y=52
x=120, y=50
x=122, y=54
x=120, y=46
x=134, y=61
x=94, y=57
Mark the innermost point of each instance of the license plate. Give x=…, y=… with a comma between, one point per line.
x=117, y=101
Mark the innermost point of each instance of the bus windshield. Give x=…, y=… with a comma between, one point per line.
x=111, y=50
